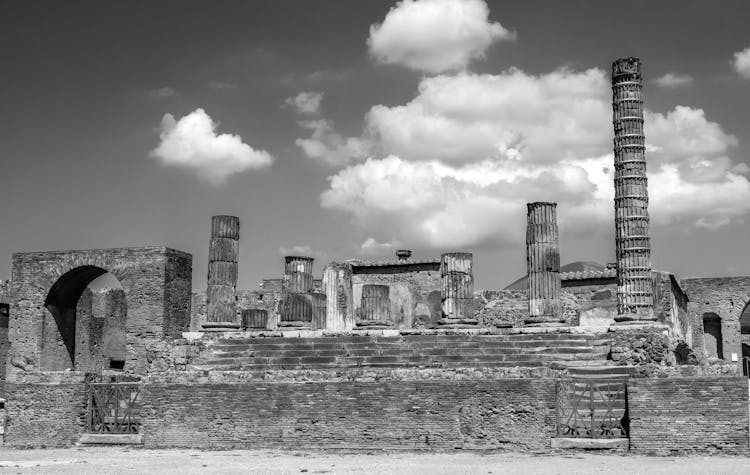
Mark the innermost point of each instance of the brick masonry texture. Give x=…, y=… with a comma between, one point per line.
x=156, y=282
x=686, y=415
x=515, y=414
x=45, y=414
x=726, y=297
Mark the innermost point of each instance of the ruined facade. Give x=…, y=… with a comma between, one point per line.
x=383, y=355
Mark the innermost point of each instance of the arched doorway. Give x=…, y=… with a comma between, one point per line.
x=712, y=335
x=84, y=329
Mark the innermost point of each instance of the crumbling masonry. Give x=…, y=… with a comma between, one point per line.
x=387, y=354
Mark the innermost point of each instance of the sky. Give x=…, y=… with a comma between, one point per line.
x=348, y=129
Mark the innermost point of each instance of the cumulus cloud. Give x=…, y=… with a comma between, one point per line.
x=192, y=142
x=741, y=62
x=328, y=146
x=460, y=160
x=435, y=35
x=372, y=246
x=306, y=102
x=673, y=80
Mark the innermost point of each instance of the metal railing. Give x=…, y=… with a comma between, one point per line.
x=113, y=408
x=589, y=408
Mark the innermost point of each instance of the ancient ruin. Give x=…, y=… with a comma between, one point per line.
x=632, y=242
x=401, y=354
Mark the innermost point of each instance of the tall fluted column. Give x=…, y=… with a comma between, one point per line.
x=223, y=255
x=297, y=305
x=543, y=264
x=633, y=246
x=457, y=289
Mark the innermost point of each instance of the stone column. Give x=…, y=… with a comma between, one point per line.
x=297, y=307
x=543, y=265
x=223, y=254
x=633, y=247
x=337, y=285
x=457, y=289
x=375, y=306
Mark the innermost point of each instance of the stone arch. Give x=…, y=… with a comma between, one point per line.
x=79, y=335
x=156, y=282
x=745, y=319
x=712, y=337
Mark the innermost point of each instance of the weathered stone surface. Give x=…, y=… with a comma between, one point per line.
x=688, y=415
x=543, y=264
x=632, y=242
x=155, y=281
x=725, y=297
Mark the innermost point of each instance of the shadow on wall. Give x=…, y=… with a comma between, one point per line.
x=84, y=328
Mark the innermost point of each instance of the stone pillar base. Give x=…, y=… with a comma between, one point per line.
x=544, y=321
x=294, y=325
x=634, y=319
x=220, y=327
x=448, y=322
x=372, y=325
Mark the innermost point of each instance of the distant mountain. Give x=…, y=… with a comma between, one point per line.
x=577, y=266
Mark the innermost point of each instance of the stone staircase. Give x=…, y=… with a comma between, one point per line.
x=404, y=351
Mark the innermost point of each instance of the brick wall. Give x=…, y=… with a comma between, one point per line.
x=684, y=415
x=45, y=414
x=155, y=280
x=723, y=296
x=513, y=414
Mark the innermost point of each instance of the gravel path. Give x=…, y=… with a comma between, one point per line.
x=99, y=460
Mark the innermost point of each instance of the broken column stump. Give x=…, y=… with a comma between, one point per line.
x=457, y=290
x=296, y=303
x=375, y=308
x=223, y=256
x=543, y=265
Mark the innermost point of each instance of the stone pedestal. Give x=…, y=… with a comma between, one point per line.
x=297, y=304
x=543, y=265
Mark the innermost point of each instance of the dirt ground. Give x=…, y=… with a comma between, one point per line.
x=99, y=460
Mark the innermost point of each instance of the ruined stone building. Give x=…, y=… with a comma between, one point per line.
x=401, y=354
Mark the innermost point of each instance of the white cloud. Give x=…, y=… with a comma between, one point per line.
x=673, y=80
x=301, y=250
x=474, y=117
x=306, y=102
x=463, y=157
x=372, y=246
x=741, y=62
x=435, y=35
x=328, y=146
x=192, y=142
